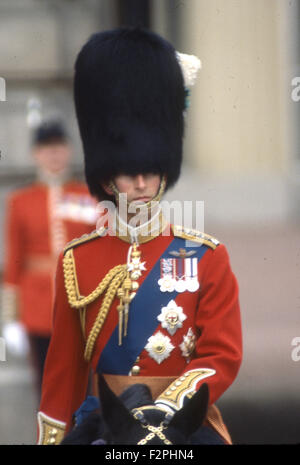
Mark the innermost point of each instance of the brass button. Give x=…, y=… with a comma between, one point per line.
x=135, y=370
x=51, y=441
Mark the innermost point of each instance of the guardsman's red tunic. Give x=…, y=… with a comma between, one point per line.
x=41, y=219
x=183, y=329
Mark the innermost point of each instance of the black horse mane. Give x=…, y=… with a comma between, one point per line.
x=115, y=422
x=136, y=396
x=94, y=427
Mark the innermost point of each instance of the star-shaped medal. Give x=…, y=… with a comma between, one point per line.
x=171, y=317
x=159, y=347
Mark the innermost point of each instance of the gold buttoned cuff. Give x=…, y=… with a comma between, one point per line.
x=184, y=386
x=51, y=431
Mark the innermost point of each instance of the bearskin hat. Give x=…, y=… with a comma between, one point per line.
x=50, y=132
x=129, y=99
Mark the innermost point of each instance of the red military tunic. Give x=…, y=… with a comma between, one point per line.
x=204, y=345
x=41, y=219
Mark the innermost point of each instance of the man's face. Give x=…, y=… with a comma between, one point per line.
x=139, y=188
x=53, y=158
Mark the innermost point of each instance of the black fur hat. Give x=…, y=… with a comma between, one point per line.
x=50, y=132
x=129, y=99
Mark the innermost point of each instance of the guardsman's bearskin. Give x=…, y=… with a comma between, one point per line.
x=129, y=99
x=50, y=132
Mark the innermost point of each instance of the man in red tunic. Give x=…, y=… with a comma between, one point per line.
x=41, y=219
x=149, y=303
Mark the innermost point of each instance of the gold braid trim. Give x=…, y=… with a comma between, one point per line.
x=195, y=236
x=71, y=284
x=102, y=314
x=112, y=281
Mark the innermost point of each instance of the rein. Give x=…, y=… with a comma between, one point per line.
x=138, y=414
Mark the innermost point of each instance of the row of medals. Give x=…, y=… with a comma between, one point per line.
x=170, y=281
x=159, y=346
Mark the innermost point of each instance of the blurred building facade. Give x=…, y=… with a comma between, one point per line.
x=242, y=141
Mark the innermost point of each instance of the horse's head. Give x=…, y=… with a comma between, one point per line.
x=146, y=423
x=133, y=418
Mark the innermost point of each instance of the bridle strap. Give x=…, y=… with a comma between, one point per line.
x=153, y=430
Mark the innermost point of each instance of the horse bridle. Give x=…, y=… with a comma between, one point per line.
x=138, y=414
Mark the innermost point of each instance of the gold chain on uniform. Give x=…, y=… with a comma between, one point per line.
x=118, y=281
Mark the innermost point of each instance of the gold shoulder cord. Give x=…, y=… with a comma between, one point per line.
x=118, y=281
x=111, y=282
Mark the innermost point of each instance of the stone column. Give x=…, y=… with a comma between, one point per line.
x=235, y=118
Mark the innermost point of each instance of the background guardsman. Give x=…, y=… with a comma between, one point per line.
x=41, y=219
x=149, y=302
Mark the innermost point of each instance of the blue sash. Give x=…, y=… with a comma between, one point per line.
x=142, y=322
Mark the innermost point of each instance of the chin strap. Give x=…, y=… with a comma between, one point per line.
x=157, y=198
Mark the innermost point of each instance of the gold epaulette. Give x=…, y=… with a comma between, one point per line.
x=85, y=238
x=195, y=236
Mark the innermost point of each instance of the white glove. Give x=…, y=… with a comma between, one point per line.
x=16, y=340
